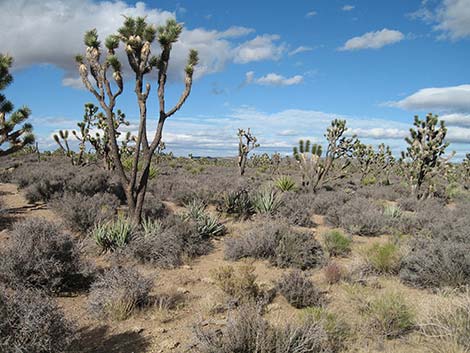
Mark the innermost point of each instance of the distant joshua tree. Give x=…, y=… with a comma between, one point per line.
x=15, y=137
x=137, y=37
x=246, y=144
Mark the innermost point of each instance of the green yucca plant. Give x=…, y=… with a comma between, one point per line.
x=267, y=201
x=207, y=224
x=151, y=227
x=114, y=234
x=285, y=183
x=392, y=211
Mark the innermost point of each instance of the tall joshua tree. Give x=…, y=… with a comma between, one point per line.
x=246, y=144
x=423, y=157
x=137, y=36
x=16, y=137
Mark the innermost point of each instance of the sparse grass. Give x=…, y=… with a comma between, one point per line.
x=383, y=258
x=389, y=315
x=336, y=243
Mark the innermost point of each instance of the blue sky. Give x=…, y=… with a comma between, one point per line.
x=283, y=70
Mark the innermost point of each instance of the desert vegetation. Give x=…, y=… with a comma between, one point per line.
x=119, y=246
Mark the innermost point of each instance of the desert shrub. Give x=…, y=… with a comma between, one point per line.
x=450, y=324
x=41, y=255
x=384, y=258
x=153, y=207
x=162, y=248
x=378, y=192
x=433, y=263
x=336, y=243
x=285, y=183
x=272, y=240
x=207, y=224
x=389, y=315
x=299, y=290
x=118, y=292
x=240, y=286
x=88, y=181
x=299, y=250
x=32, y=322
x=409, y=203
x=259, y=242
x=247, y=331
x=266, y=201
x=166, y=244
x=358, y=216
x=333, y=273
x=295, y=208
x=44, y=190
x=80, y=212
x=114, y=234
x=324, y=200
x=237, y=203
x=194, y=242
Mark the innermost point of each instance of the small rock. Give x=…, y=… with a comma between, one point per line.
x=170, y=344
x=182, y=290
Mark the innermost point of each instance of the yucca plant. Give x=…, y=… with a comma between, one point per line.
x=114, y=234
x=392, y=211
x=267, y=201
x=237, y=203
x=207, y=224
x=151, y=227
x=285, y=183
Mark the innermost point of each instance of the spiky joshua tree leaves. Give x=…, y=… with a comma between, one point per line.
x=316, y=171
x=16, y=137
x=247, y=143
x=137, y=37
x=423, y=159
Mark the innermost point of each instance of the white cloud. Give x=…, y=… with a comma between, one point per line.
x=260, y=48
x=450, y=17
x=273, y=79
x=380, y=133
x=51, y=32
x=444, y=99
x=348, y=7
x=311, y=14
x=301, y=49
x=454, y=18
x=235, y=32
x=373, y=40
x=457, y=119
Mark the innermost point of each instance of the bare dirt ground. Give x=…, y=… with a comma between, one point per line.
x=158, y=329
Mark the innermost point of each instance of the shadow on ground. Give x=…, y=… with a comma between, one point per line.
x=100, y=340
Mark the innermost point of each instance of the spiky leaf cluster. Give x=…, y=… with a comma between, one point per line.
x=15, y=137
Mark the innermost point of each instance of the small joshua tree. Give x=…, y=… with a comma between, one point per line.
x=466, y=170
x=92, y=120
x=423, y=158
x=246, y=144
x=137, y=36
x=378, y=163
x=309, y=159
x=317, y=170
x=21, y=137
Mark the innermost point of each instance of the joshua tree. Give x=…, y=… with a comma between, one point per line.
x=379, y=162
x=246, y=144
x=22, y=136
x=315, y=170
x=137, y=36
x=422, y=159
x=466, y=170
